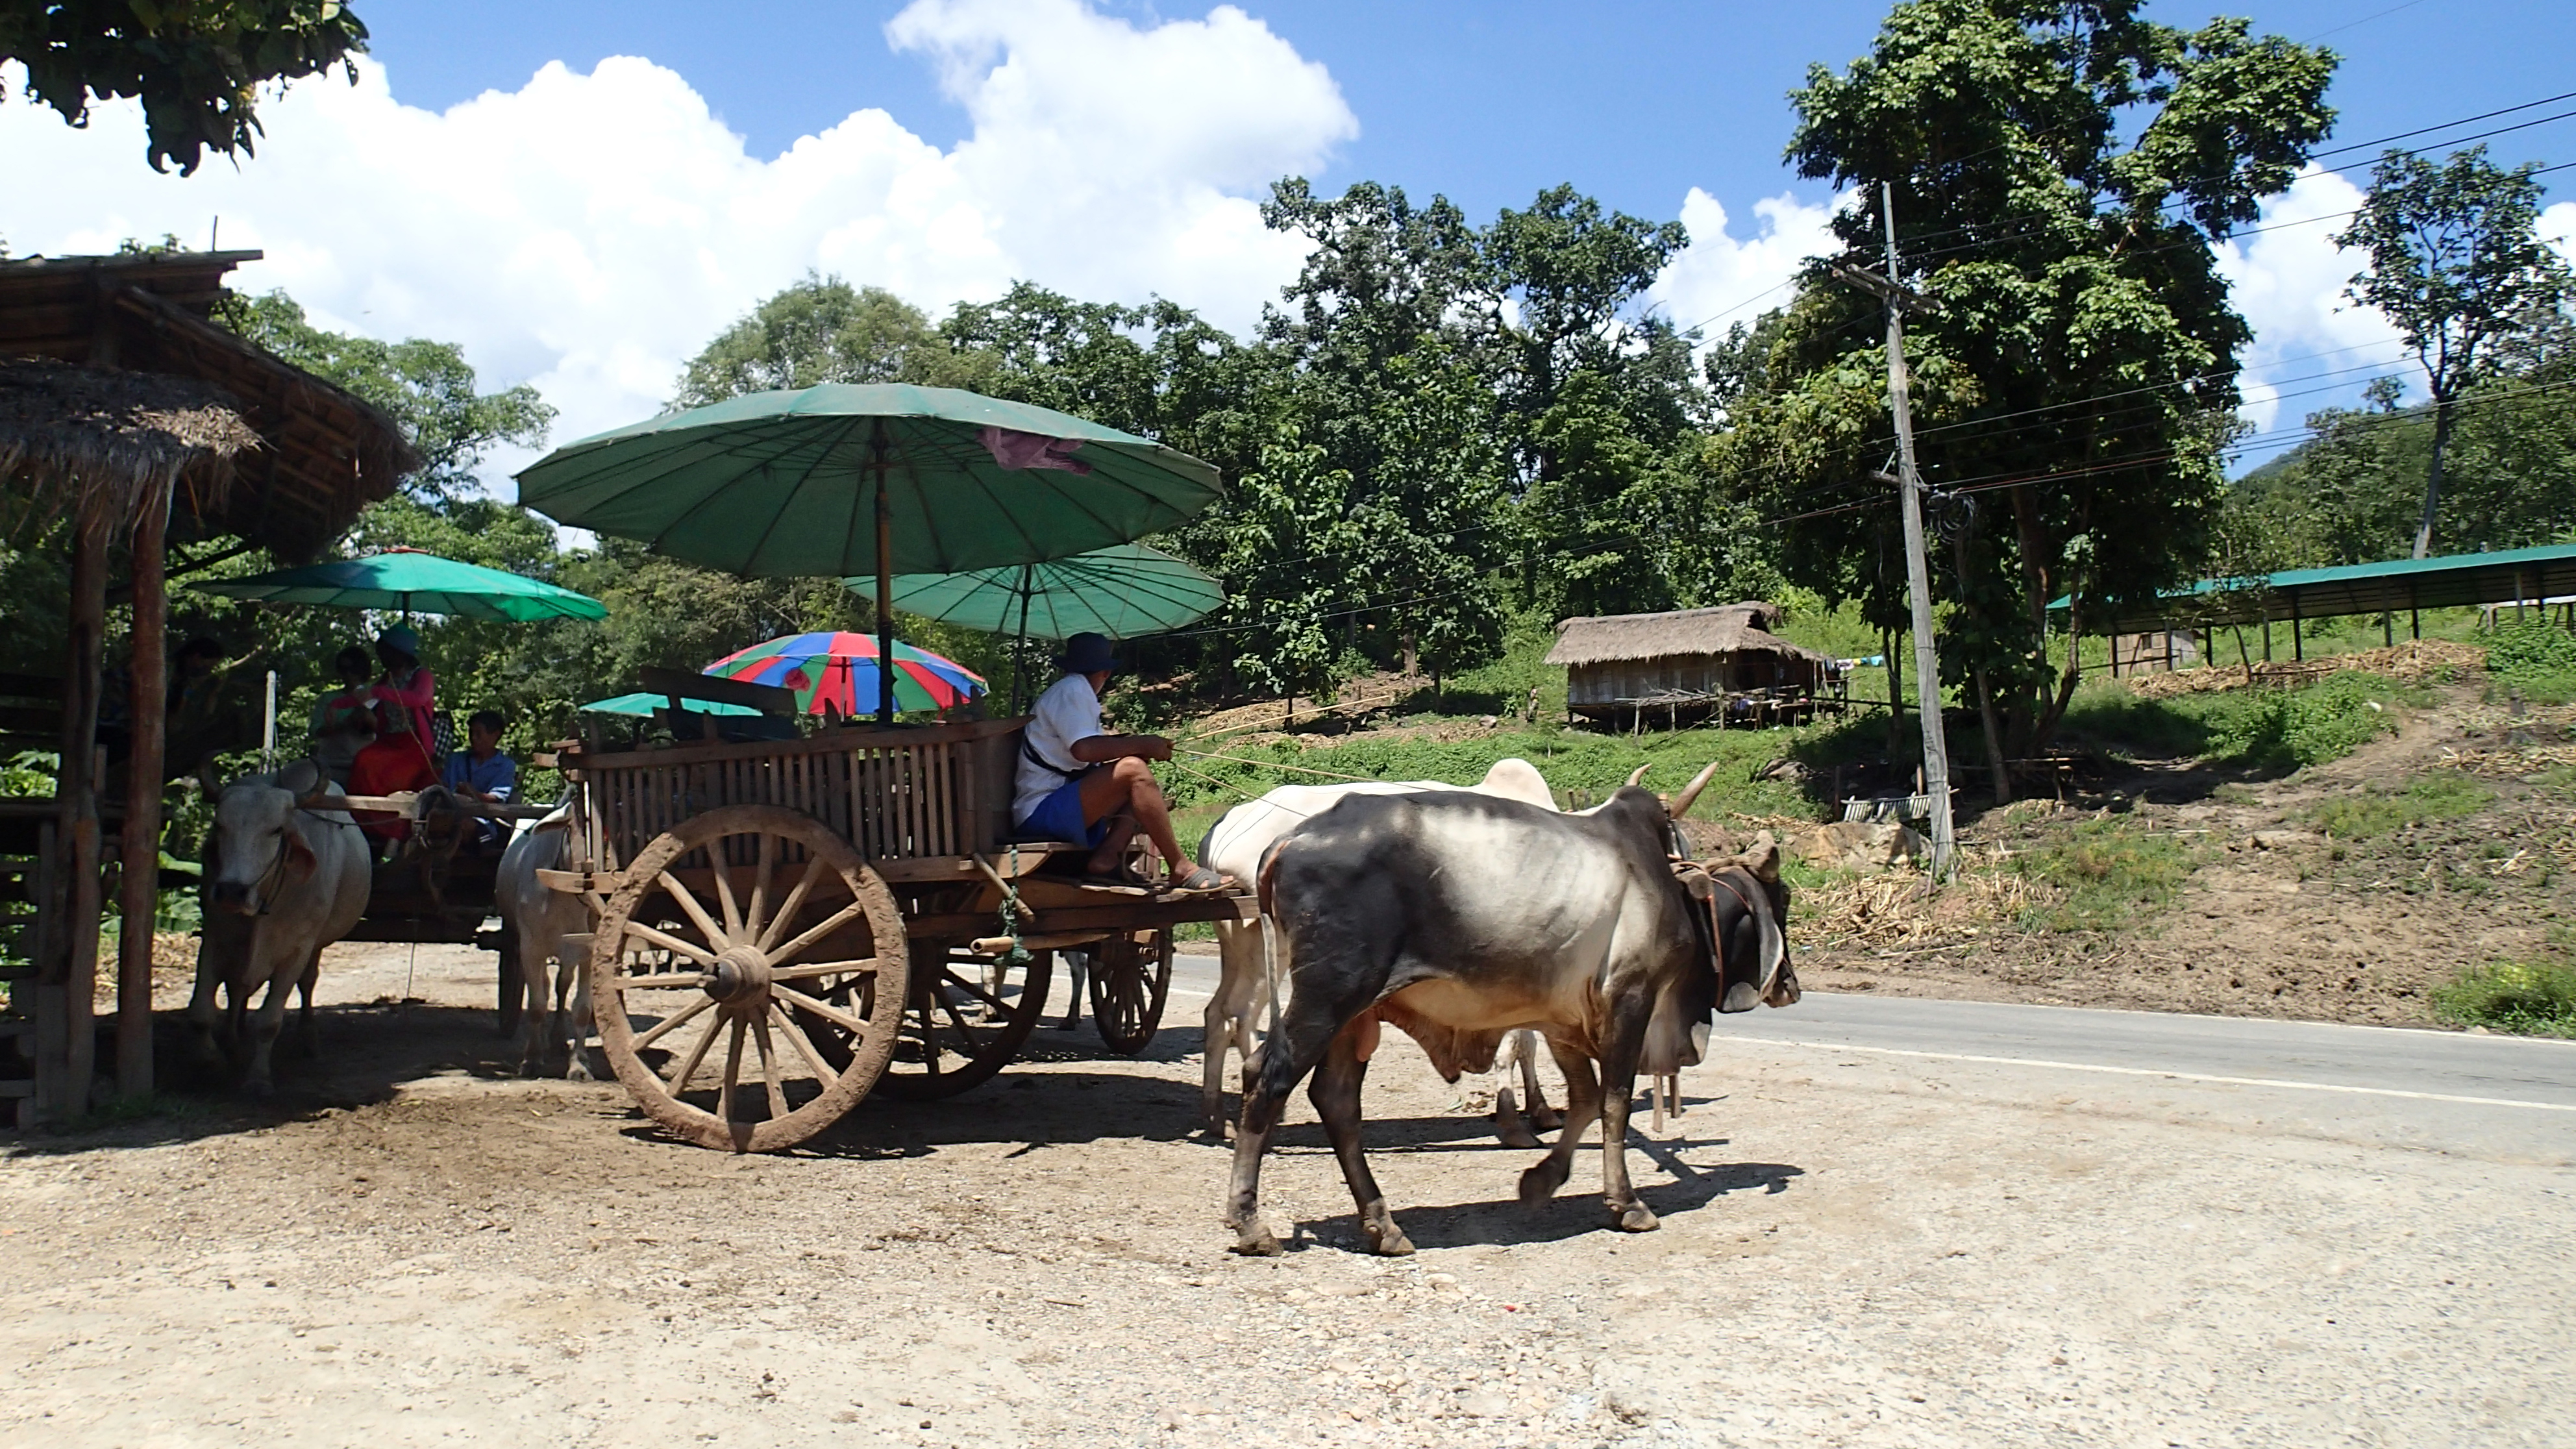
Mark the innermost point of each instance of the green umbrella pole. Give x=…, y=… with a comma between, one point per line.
x=885, y=580
x=1020, y=646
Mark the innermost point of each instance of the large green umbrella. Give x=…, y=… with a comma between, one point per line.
x=1122, y=592
x=413, y=582
x=877, y=479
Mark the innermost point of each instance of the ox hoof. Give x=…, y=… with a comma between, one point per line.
x=1256, y=1243
x=1545, y=1120
x=578, y=1070
x=1516, y=1135
x=1541, y=1182
x=1636, y=1217
x=1388, y=1241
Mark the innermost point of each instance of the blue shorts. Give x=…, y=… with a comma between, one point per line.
x=1059, y=817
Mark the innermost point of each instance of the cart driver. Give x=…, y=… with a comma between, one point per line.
x=1079, y=785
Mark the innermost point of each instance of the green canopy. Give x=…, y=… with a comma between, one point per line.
x=785, y=484
x=1121, y=592
x=879, y=479
x=413, y=582
x=642, y=704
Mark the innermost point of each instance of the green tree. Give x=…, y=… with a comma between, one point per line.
x=2457, y=263
x=2060, y=168
x=197, y=64
x=427, y=387
x=819, y=330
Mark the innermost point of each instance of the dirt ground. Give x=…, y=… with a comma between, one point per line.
x=412, y=1246
x=2278, y=918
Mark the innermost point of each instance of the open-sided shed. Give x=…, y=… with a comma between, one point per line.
x=129, y=416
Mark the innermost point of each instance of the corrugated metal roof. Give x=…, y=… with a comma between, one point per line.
x=2450, y=581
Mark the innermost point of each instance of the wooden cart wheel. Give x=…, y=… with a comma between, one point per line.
x=1129, y=983
x=957, y=1029
x=731, y=932
x=513, y=989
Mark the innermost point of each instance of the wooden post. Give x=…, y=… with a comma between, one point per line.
x=141, y=846
x=67, y=1042
x=2298, y=644
x=2267, y=636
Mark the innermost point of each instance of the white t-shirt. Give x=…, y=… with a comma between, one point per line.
x=1067, y=712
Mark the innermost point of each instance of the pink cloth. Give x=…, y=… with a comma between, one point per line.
x=1014, y=449
x=416, y=697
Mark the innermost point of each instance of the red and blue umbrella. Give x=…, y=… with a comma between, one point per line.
x=839, y=669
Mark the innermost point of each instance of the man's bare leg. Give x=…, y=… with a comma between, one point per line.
x=1130, y=783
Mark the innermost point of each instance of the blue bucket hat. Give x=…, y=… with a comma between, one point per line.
x=1086, y=653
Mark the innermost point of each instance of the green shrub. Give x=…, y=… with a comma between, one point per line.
x=2294, y=728
x=2109, y=873
x=2443, y=795
x=2535, y=659
x=2533, y=999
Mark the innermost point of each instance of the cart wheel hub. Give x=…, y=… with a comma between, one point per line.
x=741, y=974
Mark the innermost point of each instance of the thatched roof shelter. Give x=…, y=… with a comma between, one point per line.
x=1681, y=633
x=71, y=435
x=325, y=453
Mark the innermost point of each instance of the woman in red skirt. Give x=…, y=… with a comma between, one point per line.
x=400, y=757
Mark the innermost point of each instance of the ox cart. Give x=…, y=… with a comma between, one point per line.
x=781, y=927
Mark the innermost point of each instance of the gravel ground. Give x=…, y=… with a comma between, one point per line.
x=414, y=1247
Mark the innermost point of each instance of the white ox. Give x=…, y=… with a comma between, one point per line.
x=539, y=918
x=297, y=871
x=1235, y=846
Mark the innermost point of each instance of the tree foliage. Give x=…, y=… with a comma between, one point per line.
x=2059, y=169
x=426, y=387
x=197, y=64
x=2457, y=263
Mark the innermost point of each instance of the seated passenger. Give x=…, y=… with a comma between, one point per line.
x=481, y=772
x=342, y=723
x=400, y=703
x=1079, y=785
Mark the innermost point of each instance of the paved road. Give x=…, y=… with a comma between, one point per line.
x=2496, y=1092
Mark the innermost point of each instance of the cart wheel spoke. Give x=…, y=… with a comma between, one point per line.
x=678, y=1082
x=664, y=981
x=716, y=936
x=668, y=1024
x=753, y=918
x=991, y=1002
x=974, y=1041
x=795, y=899
x=769, y=1068
x=671, y=943
x=859, y=967
x=732, y=1072
x=944, y=1051
x=724, y=898
x=822, y=928
x=823, y=1009
x=804, y=1045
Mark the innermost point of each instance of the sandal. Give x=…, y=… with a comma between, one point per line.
x=1201, y=881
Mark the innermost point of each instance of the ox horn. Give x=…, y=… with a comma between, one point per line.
x=1682, y=803
x=1638, y=776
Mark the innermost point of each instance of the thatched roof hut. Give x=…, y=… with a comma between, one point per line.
x=1619, y=663
x=326, y=453
x=71, y=435
x=123, y=405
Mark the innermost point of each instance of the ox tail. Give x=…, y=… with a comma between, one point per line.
x=1274, y=941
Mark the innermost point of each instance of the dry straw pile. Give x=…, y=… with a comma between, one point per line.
x=1902, y=907
x=2419, y=661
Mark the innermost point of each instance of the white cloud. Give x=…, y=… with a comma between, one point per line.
x=1719, y=280
x=590, y=232
x=2313, y=346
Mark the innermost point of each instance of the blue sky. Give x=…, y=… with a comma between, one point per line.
x=581, y=194
x=1487, y=102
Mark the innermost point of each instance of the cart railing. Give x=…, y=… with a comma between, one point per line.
x=919, y=793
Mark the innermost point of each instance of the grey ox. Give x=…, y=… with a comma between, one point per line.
x=296, y=871
x=1235, y=846
x=1459, y=918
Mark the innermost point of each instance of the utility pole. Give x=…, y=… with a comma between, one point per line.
x=1909, y=487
